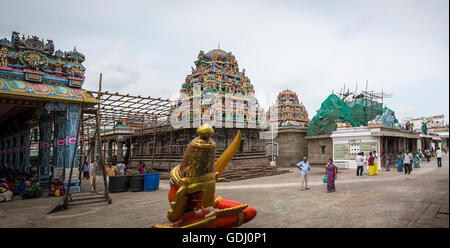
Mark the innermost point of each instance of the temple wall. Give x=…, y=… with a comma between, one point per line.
x=251, y=150
x=316, y=155
x=292, y=146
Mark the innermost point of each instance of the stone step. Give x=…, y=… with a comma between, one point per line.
x=88, y=202
x=256, y=154
x=87, y=198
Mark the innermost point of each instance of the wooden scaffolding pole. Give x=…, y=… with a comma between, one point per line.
x=154, y=140
x=101, y=159
x=82, y=160
x=170, y=146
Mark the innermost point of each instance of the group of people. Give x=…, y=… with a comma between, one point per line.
x=115, y=170
x=408, y=159
x=330, y=174
x=89, y=171
x=367, y=165
x=15, y=183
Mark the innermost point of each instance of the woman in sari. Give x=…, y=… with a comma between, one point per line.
x=141, y=167
x=417, y=161
x=400, y=162
x=331, y=176
x=388, y=163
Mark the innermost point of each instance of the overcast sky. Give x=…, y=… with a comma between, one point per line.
x=312, y=47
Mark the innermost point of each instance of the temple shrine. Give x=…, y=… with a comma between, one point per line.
x=41, y=97
x=216, y=92
x=292, y=122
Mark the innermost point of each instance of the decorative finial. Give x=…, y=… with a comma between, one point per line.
x=205, y=131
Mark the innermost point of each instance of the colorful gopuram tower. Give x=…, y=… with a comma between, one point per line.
x=217, y=73
x=291, y=113
x=233, y=105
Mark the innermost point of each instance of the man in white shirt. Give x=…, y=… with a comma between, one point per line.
x=407, y=163
x=359, y=164
x=439, y=157
x=365, y=167
x=304, y=171
x=121, y=168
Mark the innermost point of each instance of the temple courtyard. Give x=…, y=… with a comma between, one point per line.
x=390, y=199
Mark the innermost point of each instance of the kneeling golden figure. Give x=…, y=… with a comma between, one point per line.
x=193, y=184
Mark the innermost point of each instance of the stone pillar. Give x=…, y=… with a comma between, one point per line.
x=59, y=143
x=44, y=149
x=128, y=153
x=26, y=149
x=17, y=144
x=4, y=151
x=1, y=153
x=10, y=152
x=109, y=148
x=72, y=120
x=119, y=150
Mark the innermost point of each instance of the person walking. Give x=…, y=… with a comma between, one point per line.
x=365, y=167
x=400, y=162
x=331, y=176
x=370, y=163
x=304, y=172
x=375, y=163
x=407, y=163
x=428, y=154
x=110, y=172
x=417, y=160
x=85, y=170
x=359, y=164
x=388, y=163
x=439, y=157
x=93, y=171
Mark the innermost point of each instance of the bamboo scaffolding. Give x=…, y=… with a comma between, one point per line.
x=116, y=108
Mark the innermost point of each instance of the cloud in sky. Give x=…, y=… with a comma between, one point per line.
x=311, y=47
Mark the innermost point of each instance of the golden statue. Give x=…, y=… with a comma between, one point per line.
x=193, y=184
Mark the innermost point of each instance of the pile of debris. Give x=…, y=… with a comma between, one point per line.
x=242, y=172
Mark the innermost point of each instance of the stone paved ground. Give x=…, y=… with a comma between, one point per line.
x=390, y=199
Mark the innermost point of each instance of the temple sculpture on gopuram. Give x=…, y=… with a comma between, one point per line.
x=292, y=124
x=215, y=92
x=41, y=98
